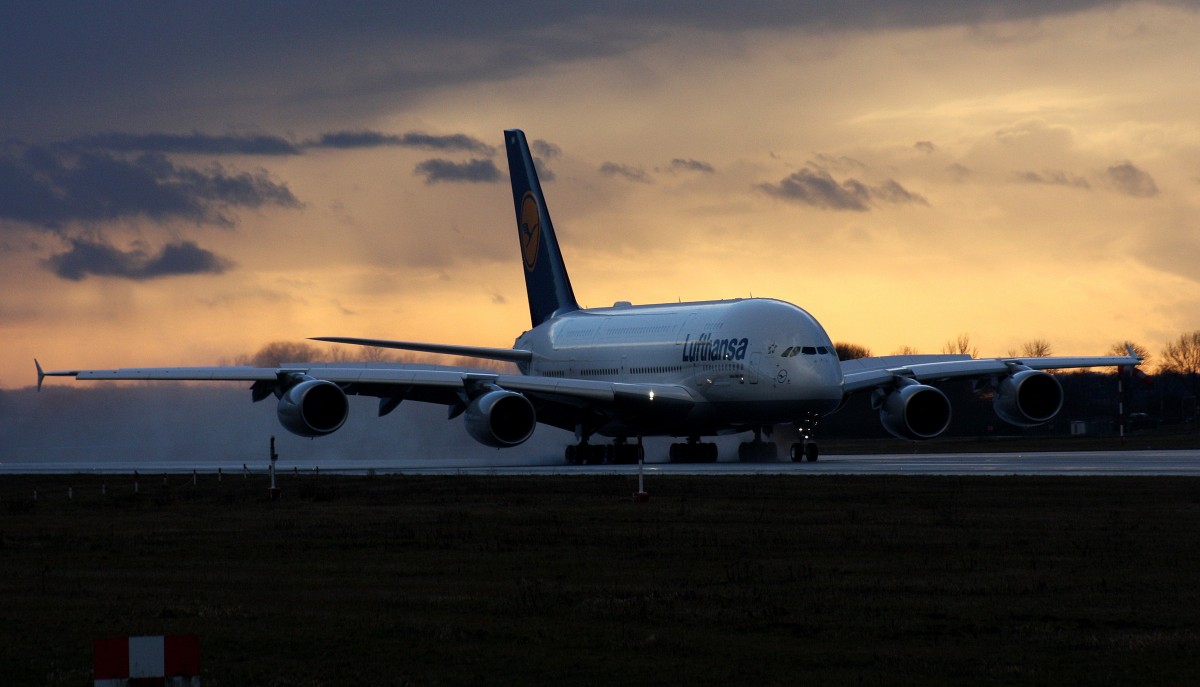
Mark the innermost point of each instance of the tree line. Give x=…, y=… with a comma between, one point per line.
x=1179, y=356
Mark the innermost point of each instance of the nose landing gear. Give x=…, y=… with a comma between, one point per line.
x=805, y=449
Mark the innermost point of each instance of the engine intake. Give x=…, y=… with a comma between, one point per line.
x=915, y=411
x=500, y=418
x=1028, y=398
x=313, y=408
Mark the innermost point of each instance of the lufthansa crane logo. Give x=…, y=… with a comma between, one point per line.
x=530, y=230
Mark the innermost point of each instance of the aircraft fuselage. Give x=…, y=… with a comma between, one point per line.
x=749, y=362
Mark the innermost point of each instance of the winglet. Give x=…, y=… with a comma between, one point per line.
x=41, y=373
x=1132, y=354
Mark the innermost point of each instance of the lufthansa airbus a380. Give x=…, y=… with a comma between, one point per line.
x=688, y=370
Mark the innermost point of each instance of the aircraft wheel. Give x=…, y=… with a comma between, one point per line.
x=595, y=454
x=811, y=453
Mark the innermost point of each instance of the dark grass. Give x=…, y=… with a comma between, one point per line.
x=538, y=580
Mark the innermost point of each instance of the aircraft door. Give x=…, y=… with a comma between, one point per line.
x=752, y=370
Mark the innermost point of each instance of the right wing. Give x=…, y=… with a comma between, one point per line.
x=869, y=373
x=512, y=355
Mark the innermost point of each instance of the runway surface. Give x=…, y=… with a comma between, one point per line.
x=1060, y=463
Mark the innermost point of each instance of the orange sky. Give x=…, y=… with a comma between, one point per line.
x=1009, y=175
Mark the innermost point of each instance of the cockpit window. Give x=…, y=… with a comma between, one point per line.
x=822, y=350
x=809, y=350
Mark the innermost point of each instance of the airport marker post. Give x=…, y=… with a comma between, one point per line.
x=172, y=660
x=273, y=490
x=641, y=495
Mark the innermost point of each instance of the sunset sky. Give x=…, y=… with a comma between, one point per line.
x=181, y=184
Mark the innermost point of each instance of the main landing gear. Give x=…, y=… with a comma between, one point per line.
x=757, y=450
x=694, y=451
x=620, y=451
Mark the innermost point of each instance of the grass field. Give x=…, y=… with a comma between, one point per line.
x=757, y=580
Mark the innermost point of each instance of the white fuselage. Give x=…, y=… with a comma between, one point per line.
x=748, y=362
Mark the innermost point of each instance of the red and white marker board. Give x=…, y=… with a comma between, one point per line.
x=159, y=661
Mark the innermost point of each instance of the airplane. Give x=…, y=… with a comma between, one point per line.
x=685, y=370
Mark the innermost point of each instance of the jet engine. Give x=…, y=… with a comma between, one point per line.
x=915, y=411
x=313, y=408
x=1028, y=398
x=500, y=418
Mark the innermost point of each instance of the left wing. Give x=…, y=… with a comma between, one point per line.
x=869, y=373
x=563, y=403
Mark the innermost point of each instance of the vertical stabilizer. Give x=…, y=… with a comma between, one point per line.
x=546, y=280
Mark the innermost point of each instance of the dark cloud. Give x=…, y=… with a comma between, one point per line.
x=1131, y=181
x=613, y=169
x=816, y=187
x=195, y=143
x=925, y=146
x=690, y=165
x=91, y=258
x=545, y=149
x=70, y=67
x=476, y=171
x=46, y=188
x=375, y=139
x=1052, y=178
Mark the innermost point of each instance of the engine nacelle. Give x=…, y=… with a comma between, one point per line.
x=313, y=408
x=500, y=418
x=1028, y=398
x=915, y=411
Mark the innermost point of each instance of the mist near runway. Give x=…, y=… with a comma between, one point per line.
x=214, y=425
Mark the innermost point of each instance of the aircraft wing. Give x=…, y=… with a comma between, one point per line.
x=868, y=373
x=559, y=402
x=512, y=355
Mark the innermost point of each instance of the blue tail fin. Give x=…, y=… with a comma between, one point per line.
x=546, y=280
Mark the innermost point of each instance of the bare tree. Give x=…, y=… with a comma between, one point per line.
x=1182, y=355
x=1139, y=350
x=276, y=353
x=1037, y=348
x=961, y=345
x=849, y=351
x=906, y=350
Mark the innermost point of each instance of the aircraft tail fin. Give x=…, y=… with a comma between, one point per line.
x=546, y=281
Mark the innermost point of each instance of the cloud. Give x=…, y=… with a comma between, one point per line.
x=1131, y=181
x=414, y=139
x=545, y=149
x=818, y=188
x=324, y=66
x=925, y=147
x=1052, y=178
x=613, y=169
x=193, y=143
x=43, y=187
x=92, y=258
x=690, y=165
x=439, y=170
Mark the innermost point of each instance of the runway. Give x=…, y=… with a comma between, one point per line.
x=1098, y=463
x=1064, y=463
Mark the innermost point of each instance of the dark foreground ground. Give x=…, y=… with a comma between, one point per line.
x=562, y=580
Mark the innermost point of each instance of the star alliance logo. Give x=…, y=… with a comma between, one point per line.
x=530, y=230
